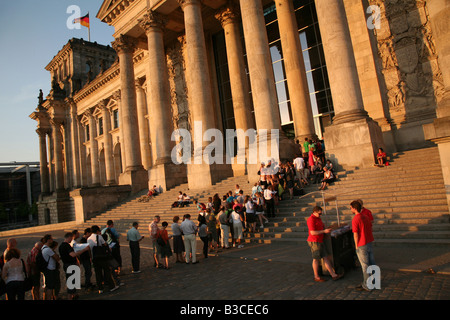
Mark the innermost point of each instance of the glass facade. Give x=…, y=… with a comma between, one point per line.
x=316, y=73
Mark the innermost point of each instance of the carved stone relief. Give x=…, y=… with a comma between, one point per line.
x=178, y=88
x=408, y=57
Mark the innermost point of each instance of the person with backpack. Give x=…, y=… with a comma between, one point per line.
x=47, y=260
x=35, y=274
x=86, y=260
x=113, y=242
x=69, y=258
x=100, y=259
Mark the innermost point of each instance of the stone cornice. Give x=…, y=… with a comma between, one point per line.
x=112, y=73
x=111, y=10
x=71, y=44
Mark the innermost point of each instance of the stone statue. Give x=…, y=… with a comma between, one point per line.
x=41, y=97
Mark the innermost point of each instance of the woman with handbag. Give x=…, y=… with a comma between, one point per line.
x=162, y=241
x=14, y=273
x=260, y=209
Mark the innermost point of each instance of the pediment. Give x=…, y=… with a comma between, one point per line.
x=111, y=9
x=84, y=119
x=106, y=7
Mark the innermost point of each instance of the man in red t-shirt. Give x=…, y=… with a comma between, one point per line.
x=365, y=211
x=362, y=233
x=316, y=231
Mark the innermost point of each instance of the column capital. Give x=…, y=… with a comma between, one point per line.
x=42, y=132
x=56, y=122
x=88, y=113
x=227, y=14
x=124, y=43
x=117, y=95
x=184, y=3
x=153, y=21
x=102, y=104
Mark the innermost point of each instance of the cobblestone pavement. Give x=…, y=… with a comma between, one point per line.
x=269, y=272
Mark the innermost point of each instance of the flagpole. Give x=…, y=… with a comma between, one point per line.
x=89, y=30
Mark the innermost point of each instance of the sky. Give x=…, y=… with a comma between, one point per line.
x=32, y=33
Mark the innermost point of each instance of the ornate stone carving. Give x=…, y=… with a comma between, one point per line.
x=153, y=20
x=178, y=88
x=227, y=14
x=408, y=58
x=124, y=44
x=116, y=95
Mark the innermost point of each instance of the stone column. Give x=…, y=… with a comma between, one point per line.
x=95, y=170
x=199, y=95
x=134, y=173
x=229, y=18
x=109, y=164
x=439, y=130
x=51, y=160
x=75, y=146
x=45, y=182
x=368, y=64
x=57, y=149
x=164, y=173
x=198, y=82
x=352, y=129
x=295, y=71
x=143, y=126
x=262, y=81
x=82, y=149
x=117, y=97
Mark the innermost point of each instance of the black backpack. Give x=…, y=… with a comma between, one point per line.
x=41, y=264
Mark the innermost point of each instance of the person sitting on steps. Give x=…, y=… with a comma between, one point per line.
x=328, y=177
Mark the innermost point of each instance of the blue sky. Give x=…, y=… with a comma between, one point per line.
x=32, y=33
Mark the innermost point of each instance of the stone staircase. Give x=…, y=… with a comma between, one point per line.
x=407, y=200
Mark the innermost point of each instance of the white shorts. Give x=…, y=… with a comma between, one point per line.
x=237, y=228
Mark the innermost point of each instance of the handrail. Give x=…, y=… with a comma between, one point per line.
x=334, y=196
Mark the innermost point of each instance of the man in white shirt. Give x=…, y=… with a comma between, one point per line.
x=50, y=273
x=299, y=164
x=190, y=241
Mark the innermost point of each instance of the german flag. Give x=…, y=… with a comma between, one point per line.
x=84, y=21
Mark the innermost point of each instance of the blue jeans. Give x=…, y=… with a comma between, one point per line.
x=366, y=259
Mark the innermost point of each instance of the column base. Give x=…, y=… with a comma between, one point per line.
x=205, y=175
x=137, y=179
x=166, y=176
x=439, y=133
x=353, y=144
x=286, y=151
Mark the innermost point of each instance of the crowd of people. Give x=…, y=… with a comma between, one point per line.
x=97, y=249
x=233, y=214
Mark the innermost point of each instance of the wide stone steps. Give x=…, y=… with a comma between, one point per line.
x=407, y=200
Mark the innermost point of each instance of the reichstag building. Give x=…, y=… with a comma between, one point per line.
x=359, y=74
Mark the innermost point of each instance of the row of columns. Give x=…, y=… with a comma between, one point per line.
x=337, y=48
x=338, y=53
x=55, y=177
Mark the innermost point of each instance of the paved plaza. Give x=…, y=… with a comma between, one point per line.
x=270, y=272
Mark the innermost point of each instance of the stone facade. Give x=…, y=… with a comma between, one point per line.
x=109, y=118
